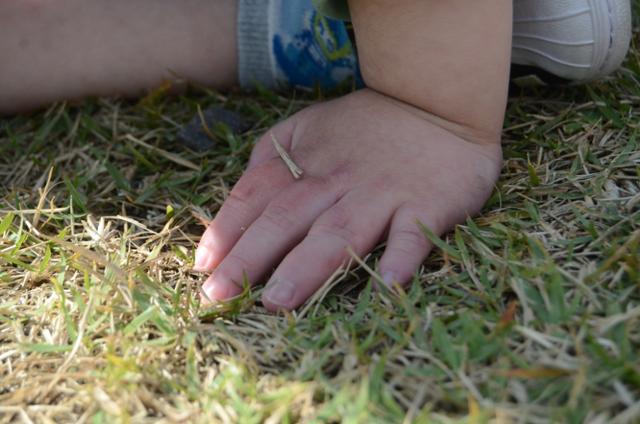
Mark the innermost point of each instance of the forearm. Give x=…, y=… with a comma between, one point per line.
x=66, y=49
x=449, y=58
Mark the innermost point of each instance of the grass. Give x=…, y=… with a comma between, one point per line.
x=528, y=313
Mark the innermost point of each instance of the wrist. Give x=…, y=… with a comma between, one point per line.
x=480, y=136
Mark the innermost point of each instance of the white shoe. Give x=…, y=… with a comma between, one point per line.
x=574, y=39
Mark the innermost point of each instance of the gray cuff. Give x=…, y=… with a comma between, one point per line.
x=254, y=44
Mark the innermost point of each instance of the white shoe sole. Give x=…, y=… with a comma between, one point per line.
x=574, y=39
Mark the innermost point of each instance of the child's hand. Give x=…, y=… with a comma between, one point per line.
x=372, y=168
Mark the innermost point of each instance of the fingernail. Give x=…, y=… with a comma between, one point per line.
x=202, y=256
x=389, y=279
x=280, y=292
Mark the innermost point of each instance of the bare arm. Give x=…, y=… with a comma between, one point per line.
x=65, y=49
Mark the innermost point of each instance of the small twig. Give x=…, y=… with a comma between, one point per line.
x=205, y=126
x=295, y=169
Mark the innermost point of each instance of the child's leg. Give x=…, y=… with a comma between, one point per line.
x=52, y=50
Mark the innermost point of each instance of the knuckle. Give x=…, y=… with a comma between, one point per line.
x=337, y=217
x=338, y=225
x=325, y=183
x=235, y=207
x=415, y=215
x=277, y=215
x=324, y=230
x=411, y=240
x=243, y=191
x=235, y=266
x=402, y=252
x=318, y=184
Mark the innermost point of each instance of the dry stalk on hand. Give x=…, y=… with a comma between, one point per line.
x=296, y=171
